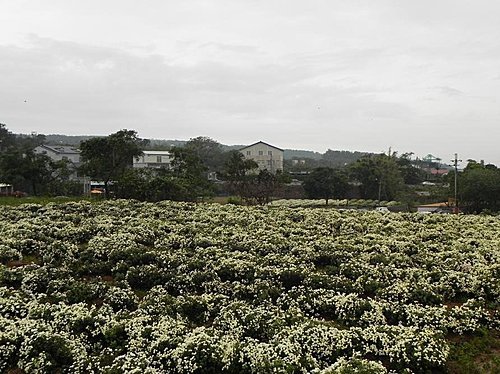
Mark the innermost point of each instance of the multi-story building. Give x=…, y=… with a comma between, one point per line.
x=268, y=157
x=60, y=152
x=153, y=159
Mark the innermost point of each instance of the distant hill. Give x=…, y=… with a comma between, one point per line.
x=73, y=140
x=291, y=154
x=342, y=158
x=161, y=144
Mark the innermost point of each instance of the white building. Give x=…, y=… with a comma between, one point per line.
x=153, y=159
x=6, y=189
x=267, y=156
x=59, y=152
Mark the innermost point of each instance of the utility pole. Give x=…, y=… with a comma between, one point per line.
x=455, y=164
x=379, y=189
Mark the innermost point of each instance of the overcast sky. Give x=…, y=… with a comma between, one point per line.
x=418, y=76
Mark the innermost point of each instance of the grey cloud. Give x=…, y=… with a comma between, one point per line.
x=353, y=74
x=448, y=91
x=235, y=48
x=75, y=89
x=91, y=87
x=341, y=58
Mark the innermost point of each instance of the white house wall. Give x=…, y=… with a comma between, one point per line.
x=155, y=160
x=267, y=157
x=58, y=156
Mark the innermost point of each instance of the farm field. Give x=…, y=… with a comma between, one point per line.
x=130, y=287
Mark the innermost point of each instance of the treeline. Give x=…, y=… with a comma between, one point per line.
x=109, y=159
x=375, y=177
x=32, y=173
x=202, y=168
x=393, y=177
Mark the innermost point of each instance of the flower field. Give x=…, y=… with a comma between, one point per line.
x=124, y=286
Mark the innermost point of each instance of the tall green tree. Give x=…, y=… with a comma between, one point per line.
x=106, y=159
x=409, y=173
x=237, y=168
x=478, y=187
x=135, y=184
x=61, y=182
x=190, y=174
x=185, y=180
x=158, y=184
x=326, y=183
x=7, y=139
x=260, y=187
x=30, y=172
x=379, y=176
x=26, y=171
x=209, y=151
x=250, y=184
x=238, y=173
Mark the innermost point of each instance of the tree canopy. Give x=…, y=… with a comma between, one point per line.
x=7, y=139
x=479, y=187
x=209, y=151
x=379, y=176
x=106, y=158
x=325, y=183
x=26, y=170
x=250, y=184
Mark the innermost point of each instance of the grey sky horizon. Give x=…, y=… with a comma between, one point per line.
x=361, y=75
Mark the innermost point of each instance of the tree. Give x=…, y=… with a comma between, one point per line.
x=153, y=185
x=29, y=142
x=479, y=187
x=208, y=151
x=25, y=170
x=379, y=176
x=325, y=183
x=243, y=179
x=184, y=181
x=237, y=167
x=190, y=174
x=31, y=172
x=106, y=159
x=260, y=187
x=237, y=171
x=409, y=173
x=7, y=139
x=134, y=184
x=61, y=182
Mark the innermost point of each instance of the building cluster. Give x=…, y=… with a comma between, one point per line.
x=267, y=157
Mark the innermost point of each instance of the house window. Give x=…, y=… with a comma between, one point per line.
x=270, y=153
x=249, y=153
x=158, y=159
x=261, y=153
